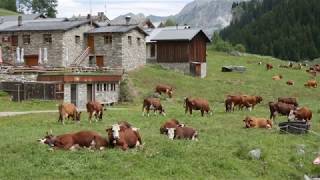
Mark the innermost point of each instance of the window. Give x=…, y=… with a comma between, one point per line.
x=26, y=39
x=139, y=41
x=77, y=39
x=47, y=38
x=105, y=87
x=108, y=39
x=113, y=87
x=130, y=40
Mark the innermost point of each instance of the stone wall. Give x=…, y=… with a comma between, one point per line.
x=112, y=53
x=203, y=70
x=179, y=67
x=134, y=55
x=36, y=42
x=69, y=41
x=108, y=97
x=67, y=93
x=82, y=96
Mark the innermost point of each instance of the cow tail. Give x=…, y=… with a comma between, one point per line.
x=60, y=113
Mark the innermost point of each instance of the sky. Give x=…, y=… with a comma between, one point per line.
x=68, y=8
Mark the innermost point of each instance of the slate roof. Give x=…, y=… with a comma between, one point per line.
x=178, y=35
x=45, y=25
x=26, y=17
x=116, y=29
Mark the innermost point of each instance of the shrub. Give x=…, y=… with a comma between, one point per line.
x=125, y=93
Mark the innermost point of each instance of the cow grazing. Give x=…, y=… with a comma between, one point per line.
x=95, y=109
x=182, y=133
x=253, y=122
x=277, y=77
x=152, y=103
x=199, y=104
x=172, y=123
x=300, y=114
x=233, y=100
x=269, y=66
x=311, y=84
x=71, y=141
x=289, y=100
x=161, y=88
x=290, y=83
x=280, y=108
x=67, y=110
x=124, y=138
x=251, y=101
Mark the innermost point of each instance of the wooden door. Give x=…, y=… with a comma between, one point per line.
x=91, y=43
x=99, y=61
x=89, y=93
x=31, y=60
x=74, y=94
x=198, y=69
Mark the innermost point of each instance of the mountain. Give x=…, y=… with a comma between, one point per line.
x=286, y=29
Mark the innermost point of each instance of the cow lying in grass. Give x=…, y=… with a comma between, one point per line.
x=253, y=122
x=182, y=132
x=300, y=114
x=124, y=136
x=172, y=123
x=72, y=141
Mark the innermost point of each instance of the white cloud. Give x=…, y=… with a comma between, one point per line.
x=67, y=8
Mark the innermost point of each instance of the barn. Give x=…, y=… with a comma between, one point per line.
x=182, y=50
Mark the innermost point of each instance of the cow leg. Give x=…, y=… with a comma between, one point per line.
x=202, y=112
x=90, y=117
x=190, y=110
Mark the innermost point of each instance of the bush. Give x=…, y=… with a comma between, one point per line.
x=219, y=44
x=125, y=93
x=3, y=94
x=240, y=48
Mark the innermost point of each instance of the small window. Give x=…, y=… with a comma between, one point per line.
x=77, y=39
x=105, y=87
x=108, y=39
x=113, y=87
x=47, y=38
x=139, y=41
x=130, y=40
x=26, y=39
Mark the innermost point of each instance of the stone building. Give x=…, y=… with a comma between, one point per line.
x=80, y=88
x=55, y=42
x=117, y=46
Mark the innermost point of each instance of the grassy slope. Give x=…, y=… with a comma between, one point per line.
x=221, y=152
x=4, y=12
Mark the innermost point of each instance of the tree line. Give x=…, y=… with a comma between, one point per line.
x=287, y=29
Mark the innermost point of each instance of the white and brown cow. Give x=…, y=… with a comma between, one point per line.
x=67, y=110
x=95, y=109
x=182, y=133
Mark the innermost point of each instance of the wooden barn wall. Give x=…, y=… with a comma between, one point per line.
x=172, y=52
x=198, y=49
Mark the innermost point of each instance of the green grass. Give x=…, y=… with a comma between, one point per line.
x=221, y=152
x=4, y=12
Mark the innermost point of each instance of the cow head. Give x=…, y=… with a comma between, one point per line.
x=115, y=129
x=49, y=139
x=247, y=122
x=170, y=92
x=78, y=114
x=259, y=99
x=292, y=115
x=171, y=133
x=317, y=161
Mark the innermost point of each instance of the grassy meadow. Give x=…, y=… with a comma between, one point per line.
x=4, y=12
x=220, y=153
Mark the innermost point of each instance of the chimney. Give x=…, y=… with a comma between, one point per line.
x=128, y=18
x=19, y=20
x=101, y=16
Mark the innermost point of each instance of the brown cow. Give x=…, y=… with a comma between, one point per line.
x=311, y=84
x=71, y=141
x=161, y=88
x=250, y=101
x=172, y=123
x=233, y=100
x=300, y=114
x=290, y=83
x=95, y=109
x=124, y=138
x=277, y=77
x=152, y=103
x=67, y=110
x=269, y=66
x=182, y=133
x=289, y=100
x=253, y=122
x=197, y=104
x=229, y=104
x=280, y=108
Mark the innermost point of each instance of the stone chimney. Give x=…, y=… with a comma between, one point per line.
x=19, y=20
x=101, y=16
x=128, y=18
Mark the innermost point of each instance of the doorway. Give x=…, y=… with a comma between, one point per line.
x=91, y=43
x=90, y=93
x=74, y=94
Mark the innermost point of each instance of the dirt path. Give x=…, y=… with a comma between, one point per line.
x=7, y=114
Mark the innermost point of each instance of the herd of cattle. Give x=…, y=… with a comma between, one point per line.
x=123, y=135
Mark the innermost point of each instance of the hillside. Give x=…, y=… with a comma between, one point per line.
x=4, y=12
x=220, y=153
x=284, y=29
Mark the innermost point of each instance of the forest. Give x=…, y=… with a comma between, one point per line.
x=286, y=29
